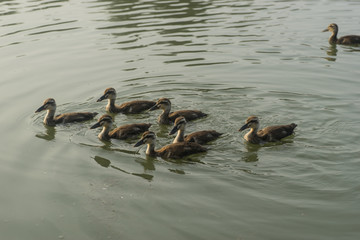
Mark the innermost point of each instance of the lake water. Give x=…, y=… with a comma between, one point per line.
x=230, y=59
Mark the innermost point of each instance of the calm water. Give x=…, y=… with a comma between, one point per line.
x=228, y=58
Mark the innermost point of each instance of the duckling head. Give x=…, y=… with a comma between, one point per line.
x=109, y=93
x=49, y=104
x=333, y=27
x=148, y=137
x=104, y=121
x=162, y=103
x=251, y=122
x=179, y=124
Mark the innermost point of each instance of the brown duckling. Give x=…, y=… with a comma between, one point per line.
x=136, y=106
x=268, y=134
x=174, y=150
x=348, y=40
x=122, y=132
x=50, y=118
x=167, y=118
x=200, y=137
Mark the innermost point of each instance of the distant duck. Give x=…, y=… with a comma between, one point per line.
x=268, y=134
x=50, y=118
x=136, y=106
x=200, y=137
x=122, y=132
x=174, y=150
x=348, y=40
x=168, y=118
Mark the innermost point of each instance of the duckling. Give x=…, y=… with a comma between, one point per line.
x=167, y=118
x=350, y=39
x=268, y=134
x=50, y=118
x=122, y=132
x=200, y=137
x=135, y=106
x=174, y=150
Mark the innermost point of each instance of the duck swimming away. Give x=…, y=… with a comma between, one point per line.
x=51, y=120
x=174, y=150
x=200, y=137
x=122, y=132
x=268, y=134
x=132, y=107
x=346, y=40
x=168, y=118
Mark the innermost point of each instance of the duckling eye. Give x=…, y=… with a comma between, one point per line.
x=148, y=136
x=102, y=122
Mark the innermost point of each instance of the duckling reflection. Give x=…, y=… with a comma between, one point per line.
x=347, y=40
x=250, y=157
x=50, y=118
x=174, y=150
x=122, y=132
x=147, y=163
x=136, y=106
x=104, y=162
x=167, y=118
x=331, y=51
x=200, y=137
x=49, y=133
x=268, y=134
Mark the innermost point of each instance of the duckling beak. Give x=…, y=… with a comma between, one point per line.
x=42, y=108
x=96, y=125
x=155, y=107
x=325, y=30
x=101, y=98
x=174, y=130
x=139, y=143
x=244, y=127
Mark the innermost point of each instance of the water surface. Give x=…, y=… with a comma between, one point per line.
x=230, y=59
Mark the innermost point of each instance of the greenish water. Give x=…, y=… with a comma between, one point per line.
x=230, y=59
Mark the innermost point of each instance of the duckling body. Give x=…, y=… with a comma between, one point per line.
x=200, y=137
x=168, y=118
x=132, y=107
x=174, y=150
x=268, y=134
x=122, y=132
x=346, y=40
x=51, y=120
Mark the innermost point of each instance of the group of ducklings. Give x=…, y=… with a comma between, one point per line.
x=182, y=145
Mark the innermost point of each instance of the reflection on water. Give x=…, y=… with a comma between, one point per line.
x=252, y=152
x=104, y=162
x=332, y=52
x=252, y=149
x=164, y=28
x=147, y=163
x=177, y=171
x=49, y=133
